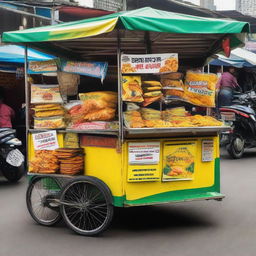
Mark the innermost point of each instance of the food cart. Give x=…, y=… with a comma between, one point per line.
x=139, y=154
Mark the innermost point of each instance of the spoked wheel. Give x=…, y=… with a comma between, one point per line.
x=41, y=203
x=236, y=147
x=86, y=206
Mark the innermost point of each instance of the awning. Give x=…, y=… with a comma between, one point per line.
x=239, y=58
x=15, y=54
x=137, y=32
x=144, y=19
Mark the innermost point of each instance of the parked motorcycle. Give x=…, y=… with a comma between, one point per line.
x=241, y=117
x=11, y=158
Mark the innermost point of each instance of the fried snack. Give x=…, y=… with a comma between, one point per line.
x=106, y=114
x=71, y=160
x=132, y=89
x=133, y=119
x=44, y=161
x=200, y=89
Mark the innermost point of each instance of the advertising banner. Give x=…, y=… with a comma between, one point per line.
x=179, y=161
x=149, y=63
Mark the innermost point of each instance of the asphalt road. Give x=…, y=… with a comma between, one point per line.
x=184, y=229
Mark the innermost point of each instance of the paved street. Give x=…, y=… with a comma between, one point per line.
x=196, y=228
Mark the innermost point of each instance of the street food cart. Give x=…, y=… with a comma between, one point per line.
x=132, y=143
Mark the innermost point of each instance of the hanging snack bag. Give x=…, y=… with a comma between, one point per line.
x=45, y=93
x=132, y=89
x=200, y=89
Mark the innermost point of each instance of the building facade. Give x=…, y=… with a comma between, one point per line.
x=208, y=4
x=110, y=5
x=247, y=7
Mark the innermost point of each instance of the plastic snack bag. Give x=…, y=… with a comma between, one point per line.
x=45, y=93
x=132, y=90
x=200, y=89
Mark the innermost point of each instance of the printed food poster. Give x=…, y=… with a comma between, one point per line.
x=179, y=161
x=149, y=63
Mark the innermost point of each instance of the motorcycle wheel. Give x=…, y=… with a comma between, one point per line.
x=236, y=147
x=12, y=173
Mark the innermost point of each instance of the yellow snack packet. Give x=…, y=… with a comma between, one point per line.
x=200, y=89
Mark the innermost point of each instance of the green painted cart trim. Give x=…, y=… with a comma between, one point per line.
x=118, y=201
x=176, y=198
x=212, y=192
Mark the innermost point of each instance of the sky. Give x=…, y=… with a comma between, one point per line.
x=221, y=4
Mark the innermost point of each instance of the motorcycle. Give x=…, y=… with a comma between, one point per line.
x=241, y=117
x=11, y=158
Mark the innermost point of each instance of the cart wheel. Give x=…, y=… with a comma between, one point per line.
x=40, y=195
x=86, y=205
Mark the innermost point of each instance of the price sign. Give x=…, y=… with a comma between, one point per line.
x=45, y=140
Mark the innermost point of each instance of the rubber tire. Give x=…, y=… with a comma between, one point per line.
x=109, y=200
x=12, y=173
x=28, y=202
x=231, y=149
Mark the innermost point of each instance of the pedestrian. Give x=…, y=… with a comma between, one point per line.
x=226, y=86
x=7, y=114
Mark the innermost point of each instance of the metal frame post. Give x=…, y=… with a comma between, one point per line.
x=120, y=102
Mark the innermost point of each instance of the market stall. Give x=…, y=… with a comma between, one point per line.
x=130, y=135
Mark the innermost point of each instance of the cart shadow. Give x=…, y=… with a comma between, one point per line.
x=158, y=217
x=7, y=184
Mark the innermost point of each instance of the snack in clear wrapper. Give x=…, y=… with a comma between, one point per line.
x=56, y=122
x=133, y=119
